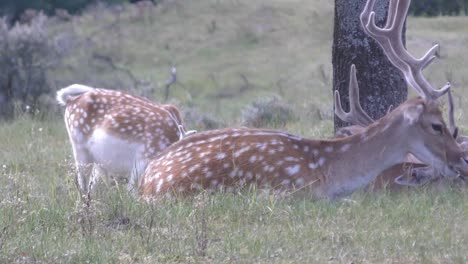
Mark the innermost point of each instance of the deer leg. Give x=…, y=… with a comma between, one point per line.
x=137, y=170
x=84, y=166
x=98, y=173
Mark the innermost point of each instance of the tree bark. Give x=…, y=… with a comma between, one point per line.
x=380, y=83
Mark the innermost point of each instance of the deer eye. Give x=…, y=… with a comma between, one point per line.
x=437, y=128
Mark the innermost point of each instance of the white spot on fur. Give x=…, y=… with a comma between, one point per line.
x=300, y=182
x=290, y=158
x=293, y=169
x=232, y=174
x=345, y=147
x=315, y=152
x=252, y=159
x=321, y=161
x=240, y=151
x=313, y=165
x=160, y=183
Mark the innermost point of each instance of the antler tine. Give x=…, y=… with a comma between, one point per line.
x=355, y=106
x=356, y=115
x=390, y=39
x=390, y=108
x=451, y=115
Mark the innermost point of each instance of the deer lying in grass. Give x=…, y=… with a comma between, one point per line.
x=411, y=172
x=428, y=173
x=359, y=120
x=116, y=131
x=232, y=158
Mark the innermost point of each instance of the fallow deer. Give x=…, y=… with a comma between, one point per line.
x=359, y=120
x=430, y=174
x=118, y=132
x=410, y=173
x=230, y=158
x=390, y=40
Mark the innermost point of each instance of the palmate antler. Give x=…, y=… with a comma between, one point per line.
x=390, y=39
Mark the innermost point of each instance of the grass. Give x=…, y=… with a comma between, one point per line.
x=42, y=220
x=282, y=47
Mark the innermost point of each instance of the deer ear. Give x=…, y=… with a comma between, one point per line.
x=415, y=177
x=412, y=113
x=463, y=145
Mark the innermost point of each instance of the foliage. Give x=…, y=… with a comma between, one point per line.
x=439, y=7
x=26, y=55
x=194, y=119
x=267, y=112
x=15, y=8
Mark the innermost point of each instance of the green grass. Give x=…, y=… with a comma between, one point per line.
x=282, y=47
x=42, y=220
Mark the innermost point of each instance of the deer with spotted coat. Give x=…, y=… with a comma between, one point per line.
x=410, y=173
x=232, y=158
x=116, y=132
x=390, y=40
x=393, y=178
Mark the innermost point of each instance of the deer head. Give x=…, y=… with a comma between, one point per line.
x=428, y=173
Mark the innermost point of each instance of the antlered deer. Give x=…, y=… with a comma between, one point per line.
x=430, y=174
x=411, y=172
x=359, y=120
x=118, y=132
x=230, y=158
x=390, y=40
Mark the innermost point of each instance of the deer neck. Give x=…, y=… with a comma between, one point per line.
x=360, y=158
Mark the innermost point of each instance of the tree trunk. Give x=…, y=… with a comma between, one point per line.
x=380, y=83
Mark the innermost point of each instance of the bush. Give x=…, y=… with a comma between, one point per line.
x=439, y=7
x=194, y=119
x=267, y=112
x=26, y=55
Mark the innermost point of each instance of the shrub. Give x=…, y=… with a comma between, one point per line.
x=26, y=55
x=267, y=112
x=193, y=119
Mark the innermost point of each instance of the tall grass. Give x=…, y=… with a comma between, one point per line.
x=42, y=219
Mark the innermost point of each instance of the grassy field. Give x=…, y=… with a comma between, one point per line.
x=282, y=48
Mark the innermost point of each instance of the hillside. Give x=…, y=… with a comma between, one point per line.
x=223, y=47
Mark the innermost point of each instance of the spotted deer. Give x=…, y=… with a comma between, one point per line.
x=411, y=172
x=393, y=178
x=390, y=40
x=429, y=174
x=118, y=132
x=236, y=157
